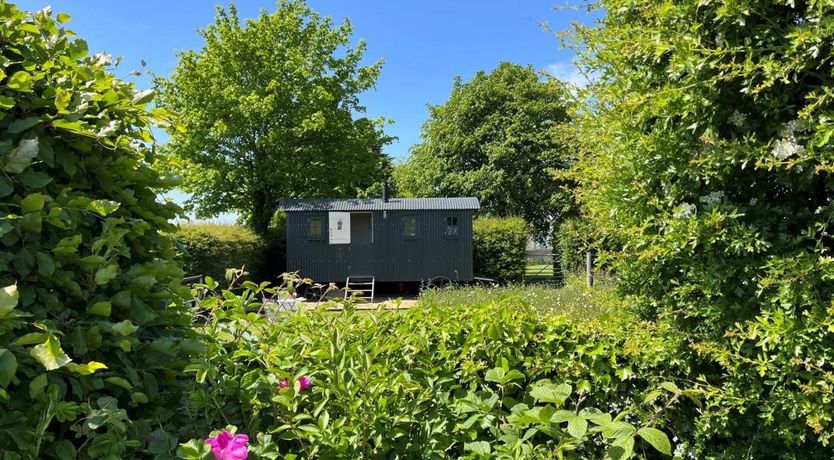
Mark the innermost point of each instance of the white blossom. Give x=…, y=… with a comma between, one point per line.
x=790, y=128
x=738, y=118
x=713, y=197
x=684, y=210
x=786, y=148
x=753, y=201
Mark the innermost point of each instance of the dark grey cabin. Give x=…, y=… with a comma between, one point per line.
x=393, y=240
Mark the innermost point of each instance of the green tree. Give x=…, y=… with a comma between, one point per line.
x=90, y=330
x=708, y=157
x=497, y=138
x=268, y=109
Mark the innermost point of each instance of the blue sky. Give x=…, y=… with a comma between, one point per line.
x=423, y=43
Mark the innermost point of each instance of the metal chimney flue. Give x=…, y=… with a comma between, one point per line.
x=385, y=190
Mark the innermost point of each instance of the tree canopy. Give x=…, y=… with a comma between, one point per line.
x=268, y=110
x=496, y=138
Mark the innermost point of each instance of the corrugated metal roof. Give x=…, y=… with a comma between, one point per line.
x=376, y=204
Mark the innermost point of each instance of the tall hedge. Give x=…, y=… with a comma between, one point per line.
x=709, y=156
x=500, y=248
x=90, y=337
x=209, y=249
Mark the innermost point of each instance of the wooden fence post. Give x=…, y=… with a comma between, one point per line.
x=589, y=268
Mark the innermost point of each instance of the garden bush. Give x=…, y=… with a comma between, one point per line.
x=491, y=380
x=211, y=248
x=92, y=337
x=499, y=247
x=708, y=157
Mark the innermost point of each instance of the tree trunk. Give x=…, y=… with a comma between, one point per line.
x=262, y=210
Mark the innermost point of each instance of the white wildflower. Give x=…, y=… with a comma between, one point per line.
x=790, y=128
x=786, y=148
x=738, y=118
x=680, y=451
x=684, y=210
x=753, y=201
x=713, y=197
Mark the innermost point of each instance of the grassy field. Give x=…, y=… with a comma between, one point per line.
x=574, y=298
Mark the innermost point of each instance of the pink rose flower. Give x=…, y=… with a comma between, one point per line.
x=304, y=382
x=283, y=383
x=224, y=446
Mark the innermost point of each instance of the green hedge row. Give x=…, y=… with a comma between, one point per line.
x=499, y=248
x=209, y=249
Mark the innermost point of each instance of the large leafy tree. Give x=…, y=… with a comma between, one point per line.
x=708, y=157
x=268, y=110
x=89, y=329
x=496, y=138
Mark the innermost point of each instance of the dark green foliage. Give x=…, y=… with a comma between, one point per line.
x=91, y=331
x=494, y=380
x=571, y=244
x=210, y=249
x=499, y=246
x=497, y=138
x=270, y=110
x=708, y=157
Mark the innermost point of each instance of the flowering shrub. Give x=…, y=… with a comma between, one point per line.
x=491, y=380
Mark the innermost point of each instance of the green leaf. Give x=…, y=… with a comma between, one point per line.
x=33, y=179
x=656, y=438
x=20, y=81
x=64, y=450
x=577, y=426
x=103, y=207
x=100, y=309
x=106, y=274
x=621, y=448
x=68, y=245
x=21, y=157
x=6, y=187
x=18, y=126
x=120, y=382
x=617, y=429
x=6, y=102
x=670, y=387
x=32, y=203
x=8, y=299
x=31, y=338
x=125, y=327
x=195, y=449
x=8, y=367
x=550, y=393
x=63, y=18
x=37, y=385
x=46, y=266
x=50, y=354
x=478, y=447
x=87, y=368
x=144, y=97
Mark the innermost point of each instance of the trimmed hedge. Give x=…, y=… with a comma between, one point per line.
x=209, y=249
x=499, y=247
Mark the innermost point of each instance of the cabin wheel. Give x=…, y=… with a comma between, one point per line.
x=439, y=282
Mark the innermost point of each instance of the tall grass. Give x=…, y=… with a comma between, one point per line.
x=573, y=299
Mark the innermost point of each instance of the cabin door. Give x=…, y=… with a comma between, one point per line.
x=361, y=243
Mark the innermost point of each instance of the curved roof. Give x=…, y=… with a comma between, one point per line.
x=376, y=204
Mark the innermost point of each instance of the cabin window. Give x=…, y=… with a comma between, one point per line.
x=314, y=228
x=451, y=227
x=409, y=226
